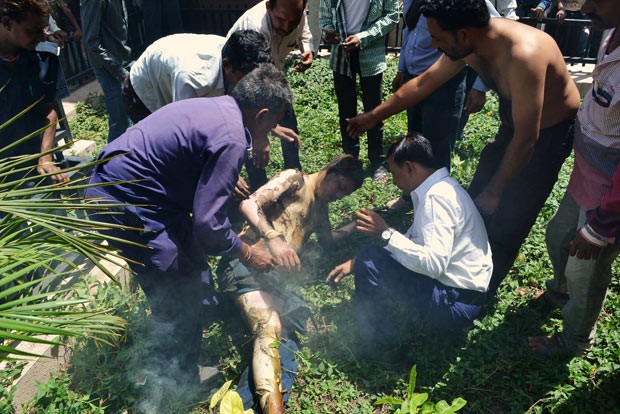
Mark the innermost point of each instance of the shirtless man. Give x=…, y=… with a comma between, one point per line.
x=282, y=215
x=538, y=102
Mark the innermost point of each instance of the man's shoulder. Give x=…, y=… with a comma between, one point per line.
x=291, y=178
x=184, y=40
x=449, y=190
x=40, y=68
x=446, y=186
x=531, y=45
x=182, y=51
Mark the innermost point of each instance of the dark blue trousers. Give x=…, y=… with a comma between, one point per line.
x=175, y=293
x=381, y=284
x=438, y=117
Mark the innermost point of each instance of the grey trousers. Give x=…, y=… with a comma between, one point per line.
x=585, y=281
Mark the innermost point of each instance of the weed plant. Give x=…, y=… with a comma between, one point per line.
x=487, y=365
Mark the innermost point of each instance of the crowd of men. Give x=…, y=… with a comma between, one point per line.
x=202, y=107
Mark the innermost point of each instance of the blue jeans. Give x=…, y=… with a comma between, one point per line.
x=382, y=283
x=112, y=95
x=438, y=117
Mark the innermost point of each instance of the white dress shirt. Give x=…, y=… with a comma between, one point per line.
x=447, y=240
x=257, y=19
x=179, y=66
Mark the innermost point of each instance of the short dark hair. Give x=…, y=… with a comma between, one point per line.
x=264, y=87
x=245, y=49
x=452, y=15
x=415, y=148
x=272, y=3
x=17, y=9
x=347, y=166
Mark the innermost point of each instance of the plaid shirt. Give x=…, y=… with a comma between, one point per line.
x=382, y=16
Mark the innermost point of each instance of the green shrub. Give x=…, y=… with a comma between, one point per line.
x=56, y=397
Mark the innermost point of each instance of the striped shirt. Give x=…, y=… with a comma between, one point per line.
x=597, y=133
x=257, y=19
x=382, y=16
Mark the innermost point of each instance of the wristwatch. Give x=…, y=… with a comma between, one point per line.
x=387, y=234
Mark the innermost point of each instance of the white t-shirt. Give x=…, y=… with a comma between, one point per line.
x=179, y=66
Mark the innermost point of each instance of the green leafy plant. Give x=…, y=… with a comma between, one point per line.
x=416, y=403
x=41, y=236
x=7, y=390
x=487, y=365
x=91, y=121
x=228, y=400
x=56, y=397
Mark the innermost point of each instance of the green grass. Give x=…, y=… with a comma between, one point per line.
x=487, y=365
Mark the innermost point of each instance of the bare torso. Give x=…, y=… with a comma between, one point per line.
x=513, y=48
x=295, y=214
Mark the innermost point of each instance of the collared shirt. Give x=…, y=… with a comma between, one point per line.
x=177, y=67
x=417, y=53
x=447, y=240
x=32, y=77
x=597, y=136
x=382, y=16
x=105, y=35
x=257, y=19
x=187, y=158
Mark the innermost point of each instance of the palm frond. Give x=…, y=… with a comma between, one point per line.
x=43, y=231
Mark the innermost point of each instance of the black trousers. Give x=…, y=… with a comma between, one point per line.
x=346, y=93
x=524, y=197
x=290, y=153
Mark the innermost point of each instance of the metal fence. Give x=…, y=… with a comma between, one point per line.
x=211, y=16
x=75, y=64
x=577, y=41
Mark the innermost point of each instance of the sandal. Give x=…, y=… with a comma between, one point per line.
x=548, y=346
x=530, y=293
x=540, y=298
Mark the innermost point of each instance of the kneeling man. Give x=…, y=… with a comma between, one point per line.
x=439, y=269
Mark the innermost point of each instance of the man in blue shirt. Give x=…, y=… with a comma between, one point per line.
x=438, y=117
x=175, y=172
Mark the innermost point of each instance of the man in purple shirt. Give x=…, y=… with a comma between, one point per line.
x=178, y=169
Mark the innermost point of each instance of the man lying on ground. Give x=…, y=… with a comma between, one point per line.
x=282, y=215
